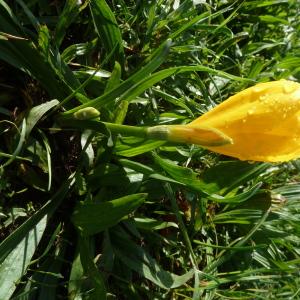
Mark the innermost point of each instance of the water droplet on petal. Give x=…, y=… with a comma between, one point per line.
x=296, y=94
x=263, y=98
x=290, y=87
x=259, y=88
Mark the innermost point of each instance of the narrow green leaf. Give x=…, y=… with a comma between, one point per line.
x=36, y=114
x=177, y=102
x=189, y=178
x=76, y=278
x=19, y=146
x=127, y=84
x=238, y=216
x=47, y=278
x=153, y=224
x=76, y=50
x=231, y=41
x=44, y=41
x=148, y=171
x=239, y=197
x=130, y=147
x=273, y=19
x=142, y=262
x=55, y=76
x=184, y=175
x=120, y=112
x=198, y=19
x=258, y=3
x=92, y=218
x=16, y=262
x=255, y=48
x=217, y=179
x=91, y=269
x=290, y=191
x=225, y=255
x=115, y=78
x=12, y=241
x=33, y=20
x=107, y=28
x=48, y=151
x=71, y=10
x=151, y=80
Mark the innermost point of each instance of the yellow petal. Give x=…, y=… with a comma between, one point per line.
x=263, y=121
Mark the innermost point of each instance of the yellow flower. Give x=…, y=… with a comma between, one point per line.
x=263, y=122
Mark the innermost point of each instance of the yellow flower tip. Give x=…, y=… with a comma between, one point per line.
x=208, y=137
x=263, y=121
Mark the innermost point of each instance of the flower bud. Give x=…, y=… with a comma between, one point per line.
x=86, y=113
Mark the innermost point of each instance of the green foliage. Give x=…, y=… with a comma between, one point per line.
x=88, y=211
x=92, y=218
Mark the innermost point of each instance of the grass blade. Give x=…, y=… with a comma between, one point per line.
x=108, y=30
x=19, y=234
x=15, y=264
x=127, y=84
x=92, y=218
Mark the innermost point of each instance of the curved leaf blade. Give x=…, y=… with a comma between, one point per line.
x=92, y=218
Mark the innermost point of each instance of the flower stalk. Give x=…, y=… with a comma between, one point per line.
x=206, y=137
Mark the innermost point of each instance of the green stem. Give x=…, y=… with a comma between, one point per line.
x=209, y=137
x=2, y=154
x=98, y=126
x=126, y=129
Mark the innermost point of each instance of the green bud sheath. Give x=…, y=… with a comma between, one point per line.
x=206, y=137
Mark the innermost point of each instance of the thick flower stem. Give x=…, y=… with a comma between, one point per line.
x=169, y=133
x=98, y=126
x=126, y=129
